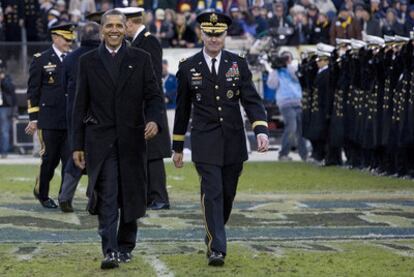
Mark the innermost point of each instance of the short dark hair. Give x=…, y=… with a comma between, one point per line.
x=90, y=31
x=111, y=13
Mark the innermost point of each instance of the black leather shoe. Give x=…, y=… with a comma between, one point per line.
x=125, y=257
x=110, y=261
x=66, y=206
x=48, y=203
x=159, y=206
x=216, y=259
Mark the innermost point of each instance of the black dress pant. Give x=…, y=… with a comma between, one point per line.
x=54, y=148
x=114, y=238
x=157, y=187
x=218, y=190
x=318, y=150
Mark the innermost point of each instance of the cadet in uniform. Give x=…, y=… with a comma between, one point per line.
x=321, y=93
x=13, y=19
x=160, y=146
x=215, y=82
x=47, y=109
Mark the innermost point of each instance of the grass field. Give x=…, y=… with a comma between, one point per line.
x=256, y=258
x=257, y=178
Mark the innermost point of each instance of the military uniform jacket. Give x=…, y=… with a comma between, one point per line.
x=217, y=129
x=160, y=146
x=45, y=93
x=109, y=110
x=319, y=117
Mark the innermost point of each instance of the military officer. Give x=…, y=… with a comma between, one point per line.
x=47, y=107
x=160, y=146
x=212, y=84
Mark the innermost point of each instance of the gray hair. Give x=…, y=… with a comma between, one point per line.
x=111, y=13
x=90, y=31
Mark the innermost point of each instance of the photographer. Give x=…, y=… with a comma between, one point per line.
x=282, y=77
x=7, y=104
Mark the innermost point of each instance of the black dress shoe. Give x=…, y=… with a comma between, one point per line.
x=48, y=203
x=110, y=261
x=66, y=206
x=159, y=206
x=125, y=257
x=216, y=259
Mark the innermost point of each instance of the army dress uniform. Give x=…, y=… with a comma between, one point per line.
x=47, y=106
x=211, y=95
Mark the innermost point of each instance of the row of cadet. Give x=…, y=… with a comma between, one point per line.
x=358, y=100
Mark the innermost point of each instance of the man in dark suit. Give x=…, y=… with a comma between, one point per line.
x=110, y=126
x=215, y=82
x=90, y=39
x=160, y=146
x=47, y=109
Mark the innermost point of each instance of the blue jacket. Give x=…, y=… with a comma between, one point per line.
x=170, y=91
x=288, y=89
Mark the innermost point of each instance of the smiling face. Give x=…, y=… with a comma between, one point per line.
x=113, y=31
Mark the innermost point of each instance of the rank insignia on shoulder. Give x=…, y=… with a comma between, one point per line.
x=37, y=55
x=192, y=70
x=183, y=60
x=147, y=34
x=241, y=55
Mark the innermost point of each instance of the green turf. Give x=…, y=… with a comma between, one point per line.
x=263, y=177
x=51, y=260
x=352, y=259
x=346, y=258
x=257, y=177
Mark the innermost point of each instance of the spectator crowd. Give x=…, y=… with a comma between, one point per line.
x=173, y=21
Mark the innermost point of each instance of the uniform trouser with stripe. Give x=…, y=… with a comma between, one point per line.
x=218, y=190
x=54, y=148
x=115, y=236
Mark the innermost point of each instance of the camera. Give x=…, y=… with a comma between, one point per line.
x=277, y=62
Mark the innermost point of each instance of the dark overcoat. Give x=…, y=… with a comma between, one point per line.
x=160, y=146
x=108, y=111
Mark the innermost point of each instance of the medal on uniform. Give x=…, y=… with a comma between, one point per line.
x=230, y=94
x=238, y=92
x=198, y=97
x=51, y=80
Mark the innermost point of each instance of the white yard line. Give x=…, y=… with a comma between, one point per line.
x=160, y=268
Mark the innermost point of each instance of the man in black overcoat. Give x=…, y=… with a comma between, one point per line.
x=160, y=146
x=110, y=129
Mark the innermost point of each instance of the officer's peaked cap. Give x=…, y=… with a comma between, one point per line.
x=213, y=22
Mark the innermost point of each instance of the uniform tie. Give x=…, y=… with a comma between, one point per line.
x=113, y=53
x=213, y=67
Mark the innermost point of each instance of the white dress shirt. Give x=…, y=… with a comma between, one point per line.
x=209, y=62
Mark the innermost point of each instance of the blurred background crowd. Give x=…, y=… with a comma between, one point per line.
x=297, y=22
